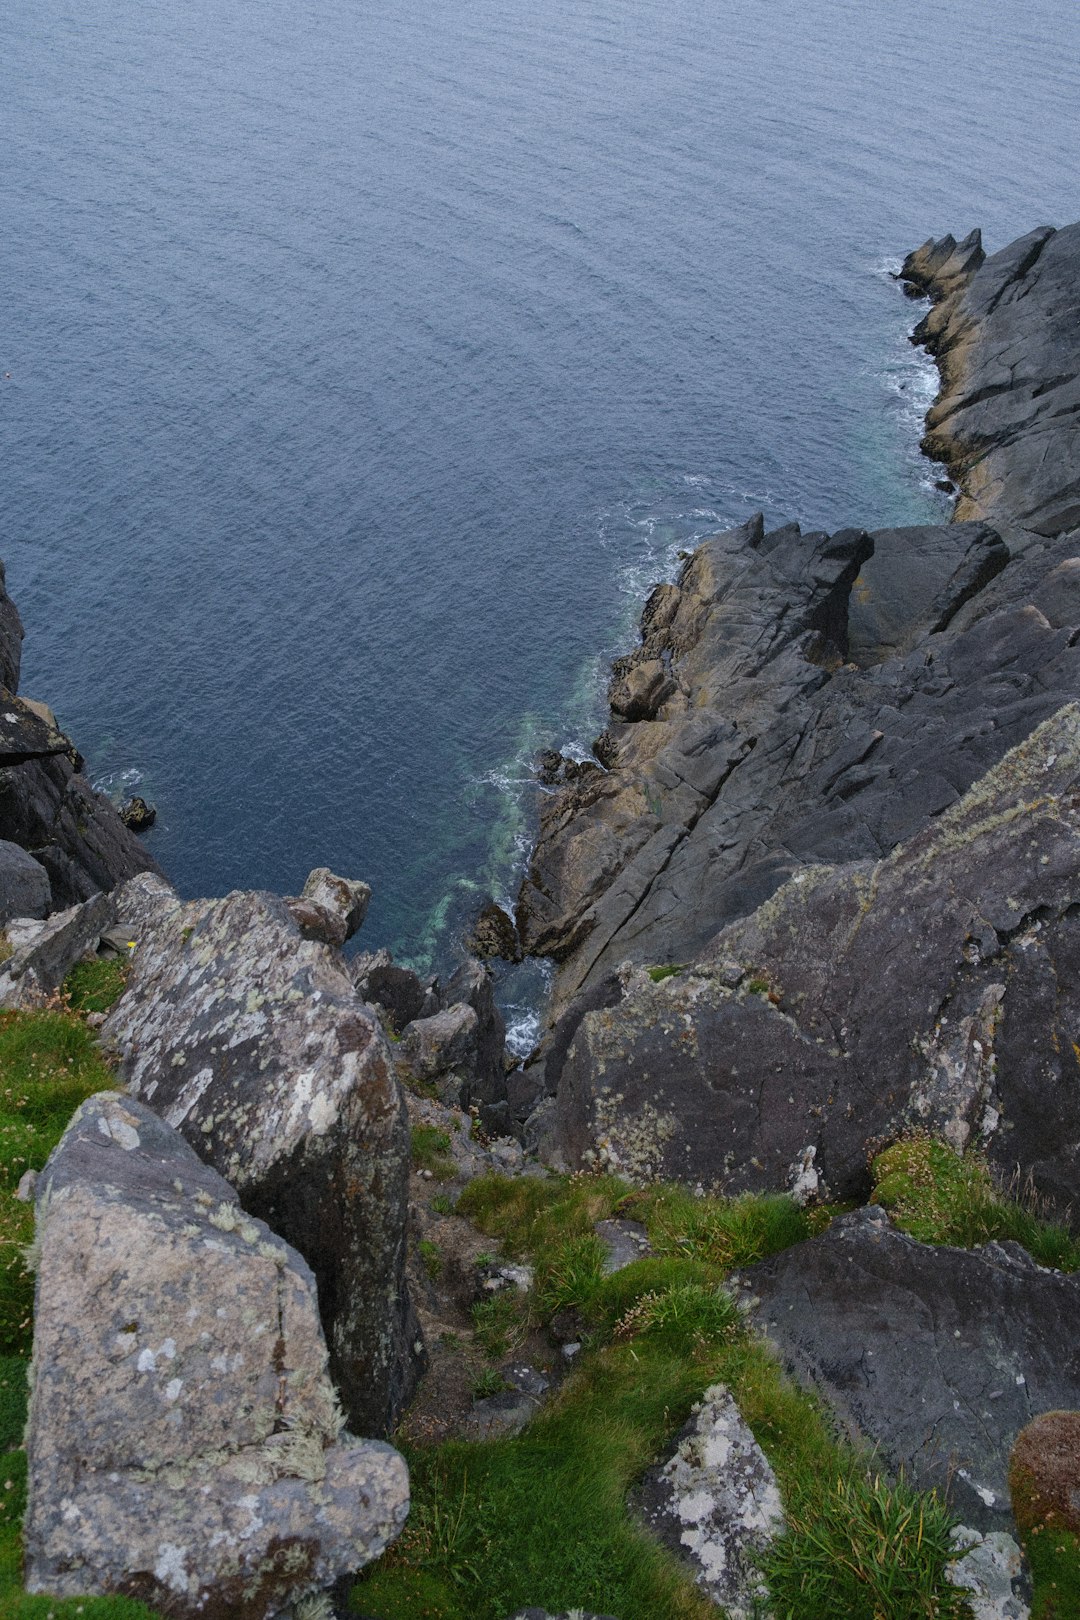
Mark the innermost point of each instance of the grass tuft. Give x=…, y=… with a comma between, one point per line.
x=94, y=985
x=431, y=1151
x=939, y=1196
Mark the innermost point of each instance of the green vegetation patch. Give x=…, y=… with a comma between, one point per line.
x=542, y=1518
x=668, y=971
x=48, y=1066
x=1053, y=1556
x=431, y=1151
x=939, y=1196
x=94, y=986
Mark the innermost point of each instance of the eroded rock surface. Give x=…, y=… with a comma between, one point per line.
x=939, y=988
x=937, y=1357
x=252, y=1042
x=184, y=1440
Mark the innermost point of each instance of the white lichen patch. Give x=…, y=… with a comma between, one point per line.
x=630, y=1145
x=720, y=1503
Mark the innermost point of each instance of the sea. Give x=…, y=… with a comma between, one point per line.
x=363, y=363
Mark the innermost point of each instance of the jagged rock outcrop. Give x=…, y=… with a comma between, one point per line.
x=24, y=884
x=43, y=951
x=1005, y=332
x=938, y=988
x=184, y=1441
x=252, y=1042
x=937, y=1357
x=47, y=806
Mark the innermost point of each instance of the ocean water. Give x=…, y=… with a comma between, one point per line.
x=362, y=365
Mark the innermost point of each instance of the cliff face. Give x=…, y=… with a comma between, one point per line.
x=47, y=806
x=803, y=705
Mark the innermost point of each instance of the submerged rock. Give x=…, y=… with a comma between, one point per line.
x=937, y=1357
x=184, y=1441
x=252, y=1042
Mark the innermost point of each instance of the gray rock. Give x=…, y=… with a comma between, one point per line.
x=331, y=908
x=937, y=1357
x=184, y=1441
x=432, y=1046
x=402, y=994
x=24, y=884
x=43, y=952
x=496, y=1417
x=11, y=637
x=963, y=945
x=1006, y=335
x=253, y=1043
x=624, y=1241
x=472, y=985
x=715, y=1502
x=991, y=1571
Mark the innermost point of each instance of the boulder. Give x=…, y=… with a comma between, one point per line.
x=763, y=1067
x=990, y=1572
x=431, y=1047
x=137, y=814
x=253, y=1043
x=24, y=884
x=716, y=1503
x=937, y=1357
x=331, y=908
x=43, y=952
x=401, y=993
x=493, y=934
x=184, y=1441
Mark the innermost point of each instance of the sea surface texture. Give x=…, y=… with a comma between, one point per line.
x=362, y=364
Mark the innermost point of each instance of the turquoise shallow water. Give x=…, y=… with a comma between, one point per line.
x=367, y=363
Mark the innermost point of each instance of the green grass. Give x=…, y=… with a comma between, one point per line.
x=95, y=985
x=668, y=971
x=48, y=1065
x=1054, y=1559
x=542, y=1518
x=431, y=1151
x=939, y=1196
x=431, y=1258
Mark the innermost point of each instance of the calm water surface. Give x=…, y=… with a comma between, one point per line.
x=368, y=361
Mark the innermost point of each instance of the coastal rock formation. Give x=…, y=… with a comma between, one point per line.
x=252, y=1042
x=24, y=884
x=42, y=952
x=1005, y=332
x=937, y=1357
x=47, y=806
x=184, y=1441
x=938, y=988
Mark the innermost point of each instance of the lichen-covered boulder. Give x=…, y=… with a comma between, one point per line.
x=331, y=908
x=716, y=1503
x=43, y=950
x=184, y=1441
x=252, y=1042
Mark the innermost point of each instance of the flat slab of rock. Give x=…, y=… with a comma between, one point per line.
x=184, y=1438
x=715, y=1502
x=252, y=1042
x=937, y=1357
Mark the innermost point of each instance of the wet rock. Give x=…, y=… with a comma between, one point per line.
x=43, y=952
x=991, y=1572
x=937, y=1357
x=253, y=1043
x=977, y=919
x=1006, y=336
x=184, y=1442
x=1044, y=1473
x=331, y=908
x=493, y=934
x=24, y=884
x=715, y=1502
x=137, y=814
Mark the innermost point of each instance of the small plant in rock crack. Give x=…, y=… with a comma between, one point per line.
x=490, y=1382
x=431, y=1258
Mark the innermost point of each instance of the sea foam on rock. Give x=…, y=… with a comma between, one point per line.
x=252, y=1041
x=184, y=1440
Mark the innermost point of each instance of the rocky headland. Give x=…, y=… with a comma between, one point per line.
x=814, y=900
